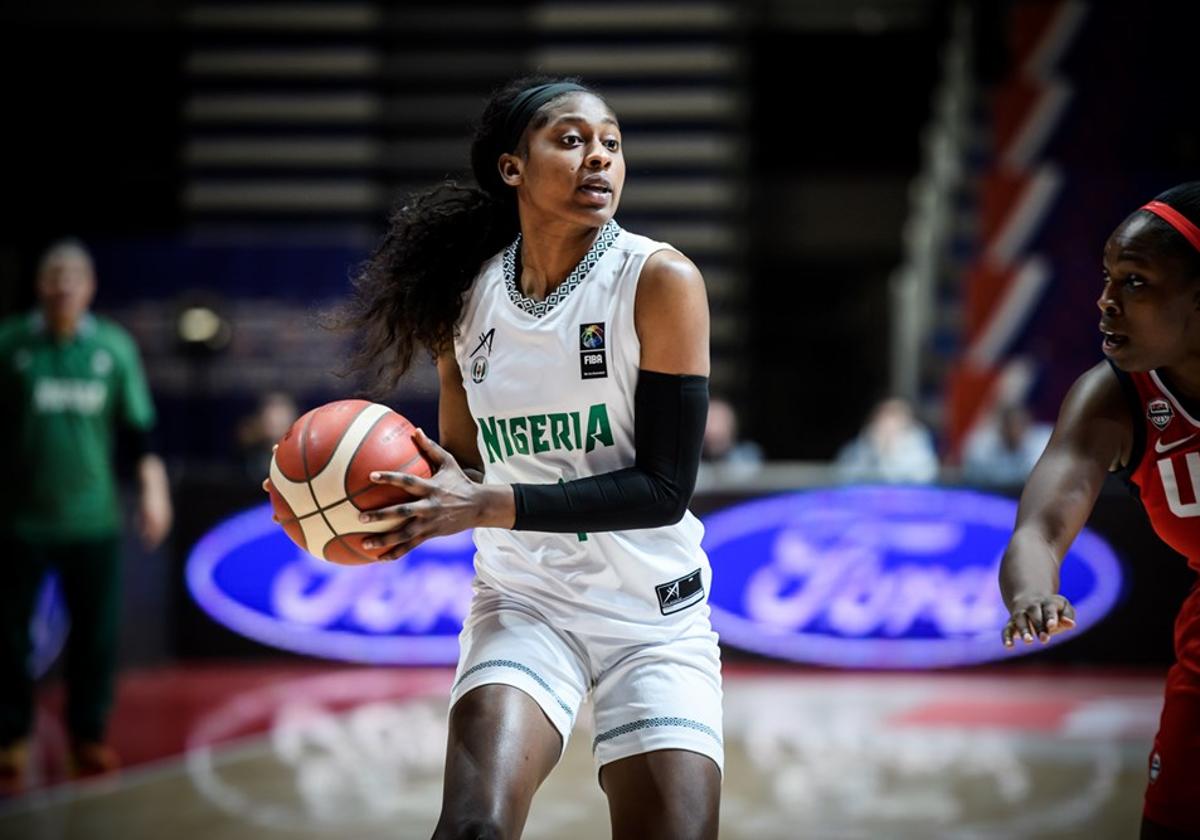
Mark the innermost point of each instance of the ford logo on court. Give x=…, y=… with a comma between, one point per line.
x=881, y=577
x=250, y=577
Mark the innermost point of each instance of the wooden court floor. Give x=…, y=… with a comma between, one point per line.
x=299, y=752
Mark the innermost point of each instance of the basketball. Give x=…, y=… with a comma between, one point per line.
x=320, y=477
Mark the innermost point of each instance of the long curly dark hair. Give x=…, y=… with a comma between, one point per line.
x=1184, y=198
x=410, y=292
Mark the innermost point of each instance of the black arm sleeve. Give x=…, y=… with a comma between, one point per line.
x=668, y=421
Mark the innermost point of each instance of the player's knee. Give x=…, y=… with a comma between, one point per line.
x=470, y=827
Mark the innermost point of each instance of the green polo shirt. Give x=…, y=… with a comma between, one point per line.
x=63, y=401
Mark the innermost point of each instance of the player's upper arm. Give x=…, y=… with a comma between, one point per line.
x=1092, y=436
x=456, y=426
x=671, y=315
x=1094, y=423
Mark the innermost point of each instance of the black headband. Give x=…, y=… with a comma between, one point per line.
x=522, y=109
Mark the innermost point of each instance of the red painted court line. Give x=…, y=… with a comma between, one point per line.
x=160, y=711
x=157, y=709
x=1045, y=715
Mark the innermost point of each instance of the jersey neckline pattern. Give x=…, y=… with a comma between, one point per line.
x=538, y=308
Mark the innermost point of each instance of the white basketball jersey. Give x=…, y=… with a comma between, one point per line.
x=550, y=385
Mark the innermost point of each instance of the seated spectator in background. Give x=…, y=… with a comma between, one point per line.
x=893, y=447
x=1004, y=450
x=721, y=444
x=260, y=431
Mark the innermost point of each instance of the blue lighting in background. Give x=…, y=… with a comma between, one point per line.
x=854, y=577
x=249, y=576
x=49, y=626
x=881, y=577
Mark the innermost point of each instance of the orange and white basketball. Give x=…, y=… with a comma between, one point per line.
x=320, y=477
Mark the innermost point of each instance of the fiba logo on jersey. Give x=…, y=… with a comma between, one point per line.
x=1160, y=413
x=591, y=336
x=479, y=369
x=593, y=363
x=1155, y=767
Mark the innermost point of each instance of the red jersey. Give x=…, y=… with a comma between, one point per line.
x=1165, y=464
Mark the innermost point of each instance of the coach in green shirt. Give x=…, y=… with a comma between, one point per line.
x=70, y=383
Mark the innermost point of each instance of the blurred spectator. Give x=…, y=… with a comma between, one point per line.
x=1004, y=450
x=71, y=382
x=721, y=444
x=892, y=447
x=260, y=431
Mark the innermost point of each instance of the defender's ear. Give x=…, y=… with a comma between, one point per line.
x=510, y=169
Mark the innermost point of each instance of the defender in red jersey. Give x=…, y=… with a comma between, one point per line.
x=1135, y=412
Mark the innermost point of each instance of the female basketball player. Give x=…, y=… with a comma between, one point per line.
x=573, y=362
x=1138, y=413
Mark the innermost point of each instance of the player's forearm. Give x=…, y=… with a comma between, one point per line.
x=152, y=475
x=1055, y=505
x=1030, y=565
x=622, y=500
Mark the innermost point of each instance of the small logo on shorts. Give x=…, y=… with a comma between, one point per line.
x=680, y=593
x=1155, y=767
x=1160, y=413
x=593, y=363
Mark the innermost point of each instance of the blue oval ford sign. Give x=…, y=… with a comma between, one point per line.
x=249, y=576
x=880, y=577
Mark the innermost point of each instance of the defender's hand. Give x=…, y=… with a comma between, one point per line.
x=1039, y=614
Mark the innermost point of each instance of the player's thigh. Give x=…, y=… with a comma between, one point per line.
x=668, y=794
x=513, y=705
x=500, y=749
x=90, y=576
x=658, y=738
x=506, y=641
x=26, y=572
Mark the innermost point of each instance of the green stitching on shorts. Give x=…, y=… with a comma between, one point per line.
x=649, y=723
x=508, y=663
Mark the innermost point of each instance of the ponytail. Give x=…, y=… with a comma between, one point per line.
x=410, y=292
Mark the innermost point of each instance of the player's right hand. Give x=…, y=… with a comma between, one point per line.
x=1040, y=614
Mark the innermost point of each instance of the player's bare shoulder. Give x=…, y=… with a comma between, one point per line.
x=671, y=315
x=1095, y=415
x=1097, y=394
x=670, y=286
x=669, y=273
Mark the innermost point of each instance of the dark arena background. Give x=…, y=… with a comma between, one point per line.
x=899, y=209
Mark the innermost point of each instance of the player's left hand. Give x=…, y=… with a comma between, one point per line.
x=447, y=503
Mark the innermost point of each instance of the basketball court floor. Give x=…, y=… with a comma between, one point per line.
x=232, y=752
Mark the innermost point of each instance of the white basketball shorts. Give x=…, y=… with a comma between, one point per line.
x=645, y=697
